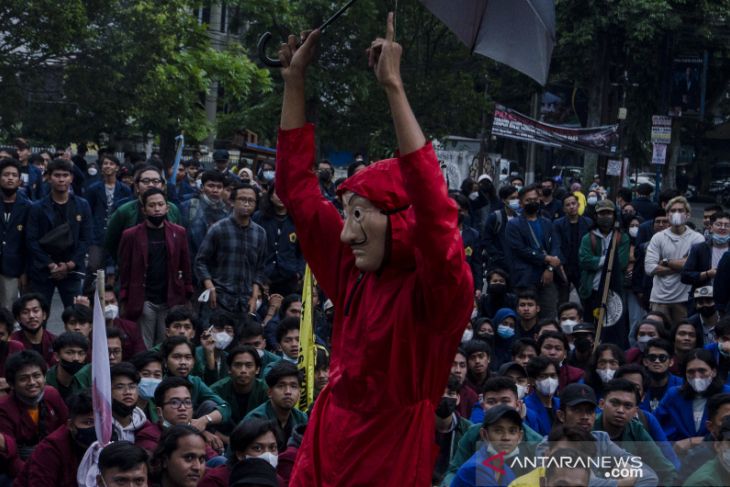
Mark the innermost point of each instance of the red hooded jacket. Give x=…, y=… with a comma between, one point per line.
x=395, y=331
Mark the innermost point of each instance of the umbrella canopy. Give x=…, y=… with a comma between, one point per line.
x=518, y=33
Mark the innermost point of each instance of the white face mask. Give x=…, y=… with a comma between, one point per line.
x=272, y=458
x=547, y=387
x=473, y=195
x=222, y=340
x=567, y=326
x=468, y=334
x=260, y=352
x=592, y=200
x=642, y=341
x=605, y=374
x=92, y=171
x=634, y=231
x=676, y=219
x=700, y=385
x=521, y=391
x=111, y=312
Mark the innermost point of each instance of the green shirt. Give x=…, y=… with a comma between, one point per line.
x=710, y=474
x=52, y=380
x=266, y=411
x=211, y=376
x=257, y=396
x=637, y=441
x=266, y=361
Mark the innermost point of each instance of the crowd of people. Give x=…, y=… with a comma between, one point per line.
x=598, y=322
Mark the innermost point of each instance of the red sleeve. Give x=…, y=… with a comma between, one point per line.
x=147, y=437
x=444, y=276
x=317, y=221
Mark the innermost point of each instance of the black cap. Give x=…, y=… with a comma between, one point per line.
x=574, y=394
x=494, y=414
x=221, y=155
x=506, y=367
x=584, y=328
x=253, y=471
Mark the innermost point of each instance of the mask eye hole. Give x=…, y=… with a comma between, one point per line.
x=358, y=214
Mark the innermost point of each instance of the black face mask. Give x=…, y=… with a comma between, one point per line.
x=707, y=311
x=9, y=191
x=531, y=208
x=156, y=220
x=582, y=345
x=71, y=367
x=84, y=437
x=325, y=176
x=121, y=409
x=497, y=289
x=604, y=221
x=547, y=192
x=446, y=407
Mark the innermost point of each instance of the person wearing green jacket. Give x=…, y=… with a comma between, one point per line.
x=472, y=439
x=130, y=214
x=241, y=389
x=717, y=470
x=209, y=408
x=284, y=394
x=252, y=333
x=619, y=405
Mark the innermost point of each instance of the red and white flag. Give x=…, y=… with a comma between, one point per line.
x=101, y=383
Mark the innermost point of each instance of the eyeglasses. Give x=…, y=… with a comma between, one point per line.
x=151, y=181
x=660, y=358
x=721, y=225
x=176, y=403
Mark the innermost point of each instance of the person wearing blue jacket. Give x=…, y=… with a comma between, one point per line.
x=13, y=251
x=535, y=251
x=63, y=269
x=489, y=466
x=495, y=230
x=683, y=411
x=504, y=324
x=542, y=401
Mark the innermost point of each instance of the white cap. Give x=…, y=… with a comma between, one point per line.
x=703, y=292
x=483, y=177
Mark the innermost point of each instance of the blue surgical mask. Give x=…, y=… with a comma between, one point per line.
x=514, y=205
x=147, y=387
x=269, y=175
x=505, y=331
x=720, y=239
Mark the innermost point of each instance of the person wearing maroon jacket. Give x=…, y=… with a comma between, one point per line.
x=8, y=347
x=31, y=412
x=554, y=345
x=56, y=459
x=31, y=312
x=468, y=397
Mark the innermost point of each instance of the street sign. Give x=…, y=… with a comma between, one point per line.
x=661, y=129
x=659, y=154
x=613, y=168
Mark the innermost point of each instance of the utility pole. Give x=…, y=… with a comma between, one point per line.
x=482, y=157
x=531, y=146
x=216, y=33
x=625, y=83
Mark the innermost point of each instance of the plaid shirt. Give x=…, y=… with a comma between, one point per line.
x=233, y=257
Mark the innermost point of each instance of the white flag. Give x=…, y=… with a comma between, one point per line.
x=101, y=383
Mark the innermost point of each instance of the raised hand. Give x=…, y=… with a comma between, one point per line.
x=384, y=57
x=296, y=57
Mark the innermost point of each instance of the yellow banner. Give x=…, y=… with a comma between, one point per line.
x=307, y=349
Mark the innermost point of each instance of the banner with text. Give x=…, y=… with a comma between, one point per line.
x=514, y=125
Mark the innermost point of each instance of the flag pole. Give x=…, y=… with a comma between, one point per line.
x=101, y=286
x=606, y=287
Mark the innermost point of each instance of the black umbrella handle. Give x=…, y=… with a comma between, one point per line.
x=266, y=37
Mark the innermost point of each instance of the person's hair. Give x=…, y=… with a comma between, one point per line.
x=621, y=385
x=715, y=216
x=660, y=343
x=679, y=200
x=590, y=376
x=20, y=303
x=500, y=383
x=213, y=176
x=246, y=433
x=322, y=359
x=625, y=194
x=506, y=191
x=142, y=168
x=667, y=195
x=527, y=189
x=80, y=312
x=221, y=318
x=557, y=335
x=143, y=359
x=572, y=453
x=114, y=332
x=661, y=212
x=151, y=192
x=243, y=349
x=124, y=369
x=453, y=384
x=79, y=403
x=24, y=358
x=250, y=329
x=170, y=343
x=111, y=158
x=521, y=344
x=239, y=186
x=59, y=165
x=697, y=327
x=290, y=323
x=715, y=402
x=353, y=167
x=287, y=302
x=707, y=357
x=122, y=455
x=70, y=339
x=568, y=306
x=169, y=443
x=527, y=296
x=10, y=162
x=545, y=323
x=713, y=208
x=179, y=313
x=6, y=318
x=573, y=434
x=538, y=364
x=658, y=326
x=569, y=195
x=634, y=369
x=473, y=346
x=723, y=326
x=461, y=201
x=499, y=272
x=168, y=383
x=281, y=370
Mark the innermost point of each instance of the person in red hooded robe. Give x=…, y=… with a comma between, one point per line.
x=396, y=273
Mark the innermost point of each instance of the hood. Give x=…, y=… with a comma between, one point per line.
x=503, y=313
x=382, y=184
x=127, y=432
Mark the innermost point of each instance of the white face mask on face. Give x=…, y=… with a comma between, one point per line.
x=111, y=311
x=521, y=391
x=605, y=374
x=272, y=458
x=547, y=387
x=634, y=231
x=468, y=334
x=222, y=340
x=567, y=326
x=700, y=384
x=677, y=219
